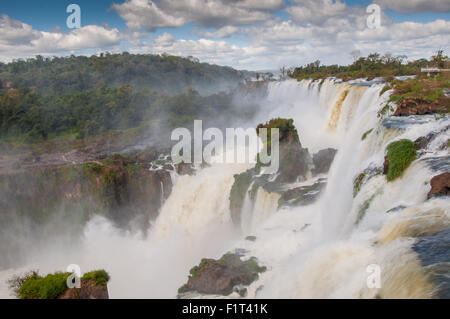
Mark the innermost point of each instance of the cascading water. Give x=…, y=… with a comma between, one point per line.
x=319, y=250
x=346, y=234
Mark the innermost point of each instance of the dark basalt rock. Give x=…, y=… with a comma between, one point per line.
x=322, y=160
x=440, y=185
x=221, y=277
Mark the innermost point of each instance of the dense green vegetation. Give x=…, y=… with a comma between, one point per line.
x=374, y=65
x=286, y=131
x=98, y=276
x=48, y=287
x=400, y=154
x=27, y=116
x=62, y=75
x=423, y=88
x=71, y=98
x=33, y=286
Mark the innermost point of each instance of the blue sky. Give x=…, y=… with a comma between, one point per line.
x=252, y=34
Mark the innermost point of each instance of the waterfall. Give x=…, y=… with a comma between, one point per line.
x=329, y=259
x=198, y=203
x=325, y=249
x=319, y=250
x=254, y=214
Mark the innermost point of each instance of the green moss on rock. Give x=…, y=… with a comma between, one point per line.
x=363, y=137
x=357, y=183
x=98, y=276
x=400, y=155
x=287, y=130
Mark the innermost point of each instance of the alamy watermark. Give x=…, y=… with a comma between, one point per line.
x=374, y=279
x=238, y=146
x=74, y=19
x=74, y=279
x=374, y=19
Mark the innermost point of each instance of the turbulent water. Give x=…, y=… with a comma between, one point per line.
x=324, y=250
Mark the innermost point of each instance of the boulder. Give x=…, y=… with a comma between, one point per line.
x=303, y=195
x=440, y=185
x=220, y=277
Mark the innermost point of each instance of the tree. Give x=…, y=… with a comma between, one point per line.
x=439, y=58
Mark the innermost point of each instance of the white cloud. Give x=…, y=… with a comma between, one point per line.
x=406, y=6
x=322, y=29
x=144, y=14
x=221, y=33
x=18, y=39
x=149, y=15
x=15, y=32
x=317, y=11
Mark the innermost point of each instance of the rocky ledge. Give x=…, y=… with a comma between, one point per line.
x=93, y=285
x=222, y=276
x=417, y=106
x=440, y=185
x=296, y=165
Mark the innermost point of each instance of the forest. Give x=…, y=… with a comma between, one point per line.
x=374, y=65
x=79, y=97
x=165, y=73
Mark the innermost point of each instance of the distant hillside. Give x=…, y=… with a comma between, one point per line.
x=171, y=74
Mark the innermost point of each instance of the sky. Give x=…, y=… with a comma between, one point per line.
x=244, y=34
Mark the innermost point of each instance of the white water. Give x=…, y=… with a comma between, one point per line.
x=311, y=251
x=329, y=258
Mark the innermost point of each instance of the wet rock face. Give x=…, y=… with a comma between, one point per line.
x=88, y=290
x=385, y=165
x=440, y=185
x=238, y=191
x=322, y=160
x=220, y=277
x=130, y=192
x=185, y=169
x=420, y=107
x=295, y=161
x=304, y=195
x=117, y=188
